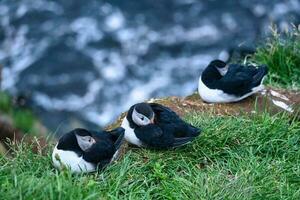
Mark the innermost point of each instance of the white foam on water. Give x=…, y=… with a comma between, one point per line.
x=8, y=78
x=24, y=52
x=206, y=33
x=40, y=5
x=113, y=72
x=70, y=102
x=259, y=10
x=98, y=117
x=294, y=4
x=4, y=10
x=185, y=2
x=126, y=34
x=115, y=69
x=143, y=91
x=229, y=21
x=115, y=20
x=22, y=10
x=87, y=31
x=281, y=9
x=161, y=79
x=111, y=65
x=138, y=90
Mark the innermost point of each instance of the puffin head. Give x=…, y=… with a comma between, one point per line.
x=221, y=66
x=84, y=138
x=142, y=114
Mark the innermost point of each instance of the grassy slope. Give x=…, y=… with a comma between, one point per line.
x=235, y=158
x=281, y=52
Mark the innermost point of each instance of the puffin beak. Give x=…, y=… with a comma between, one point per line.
x=152, y=121
x=93, y=140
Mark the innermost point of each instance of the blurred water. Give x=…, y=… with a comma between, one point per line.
x=88, y=61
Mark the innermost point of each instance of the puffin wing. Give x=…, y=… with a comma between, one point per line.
x=153, y=136
x=182, y=133
x=251, y=69
x=169, y=120
x=250, y=75
x=117, y=135
x=261, y=72
x=236, y=81
x=99, y=152
x=178, y=142
x=160, y=137
x=164, y=114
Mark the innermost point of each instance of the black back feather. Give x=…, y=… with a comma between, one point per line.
x=167, y=130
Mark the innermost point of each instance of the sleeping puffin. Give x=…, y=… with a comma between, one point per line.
x=84, y=151
x=222, y=83
x=155, y=126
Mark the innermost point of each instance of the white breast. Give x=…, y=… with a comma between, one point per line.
x=71, y=160
x=129, y=134
x=218, y=96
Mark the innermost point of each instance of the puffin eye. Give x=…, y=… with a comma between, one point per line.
x=142, y=118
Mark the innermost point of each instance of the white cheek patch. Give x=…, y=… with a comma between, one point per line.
x=223, y=70
x=85, y=142
x=136, y=117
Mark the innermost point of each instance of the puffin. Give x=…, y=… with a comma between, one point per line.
x=82, y=150
x=153, y=125
x=225, y=83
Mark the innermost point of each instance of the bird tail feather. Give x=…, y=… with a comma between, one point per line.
x=257, y=78
x=182, y=141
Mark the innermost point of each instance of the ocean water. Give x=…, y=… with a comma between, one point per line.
x=82, y=63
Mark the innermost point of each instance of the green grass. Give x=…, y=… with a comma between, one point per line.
x=281, y=52
x=254, y=157
x=5, y=103
x=22, y=119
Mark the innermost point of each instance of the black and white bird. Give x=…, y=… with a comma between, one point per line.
x=86, y=151
x=222, y=83
x=155, y=126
